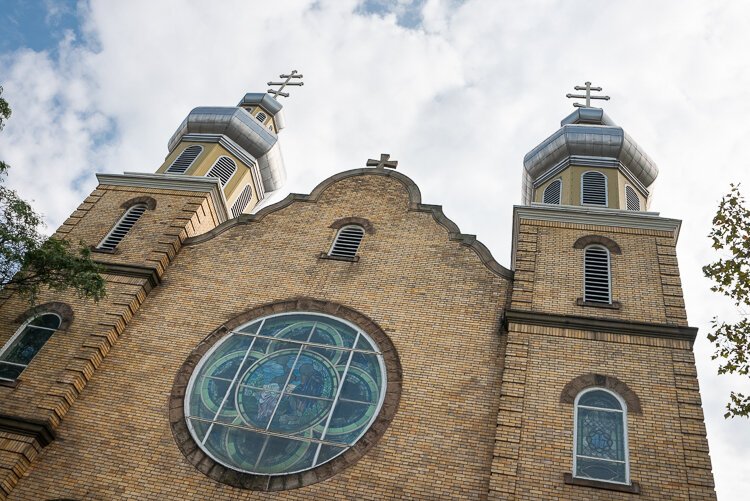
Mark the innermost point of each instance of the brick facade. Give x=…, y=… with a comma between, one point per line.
x=481, y=411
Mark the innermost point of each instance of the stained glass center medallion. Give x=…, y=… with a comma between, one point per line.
x=285, y=393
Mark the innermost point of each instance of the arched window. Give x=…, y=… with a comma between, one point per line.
x=600, y=440
x=223, y=169
x=241, y=203
x=596, y=275
x=183, y=162
x=553, y=192
x=593, y=188
x=631, y=199
x=25, y=344
x=347, y=241
x=123, y=226
x=261, y=116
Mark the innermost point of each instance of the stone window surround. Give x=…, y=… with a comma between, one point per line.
x=62, y=310
x=220, y=473
x=568, y=396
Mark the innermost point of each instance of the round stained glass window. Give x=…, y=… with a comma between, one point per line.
x=285, y=393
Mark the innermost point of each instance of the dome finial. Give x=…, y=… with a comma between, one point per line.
x=588, y=97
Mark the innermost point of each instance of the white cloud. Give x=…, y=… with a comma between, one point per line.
x=458, y=101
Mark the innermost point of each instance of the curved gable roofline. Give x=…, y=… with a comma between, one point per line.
x=415, y=204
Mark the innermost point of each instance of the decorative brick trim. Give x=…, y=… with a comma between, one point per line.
x=415, y=204
x=216, y=471
x=364, y=223
x=574, y=387
x=63, y=310
x=610, y=244
x=149, y=201
x=633, y=488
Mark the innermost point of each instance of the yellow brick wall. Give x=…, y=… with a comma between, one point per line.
x=434, y=298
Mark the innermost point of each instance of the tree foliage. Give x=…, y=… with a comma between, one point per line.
x=731, y=273
x=30, y=262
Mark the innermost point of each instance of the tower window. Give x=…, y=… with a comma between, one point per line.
x=224, y=168
x=347, y=241
x=553, y=192
x=631, y=198
x=183, y=162
x=261, y=116
x=600, y=437
x=593, y=188
x=241, y=203
x=25, y=344
x=123, y=226
x=596, y=273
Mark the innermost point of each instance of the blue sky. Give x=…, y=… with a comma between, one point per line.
x=457, y=91
x=36, y=25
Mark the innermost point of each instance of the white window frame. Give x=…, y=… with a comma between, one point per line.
x=217, y=177
x=338, y=234
x=559, y=201
x=606, y=189
x=609, y=272
x=200, y=151
x=624, y=413
x=18, y=333
x=635, y=194
x=117, y=225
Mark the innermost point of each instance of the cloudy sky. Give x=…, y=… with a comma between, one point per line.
x=457, y=91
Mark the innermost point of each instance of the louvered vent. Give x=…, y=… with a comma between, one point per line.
x=347, y=241
x=223, y=169
x=552, y=192
x=593, y=189
x=241, y=203
x=123, y=226
x=261, y=117
x=596, y=275
x=183, y=162
x=631, y=198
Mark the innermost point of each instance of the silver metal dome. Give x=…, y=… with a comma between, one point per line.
x=586, y=137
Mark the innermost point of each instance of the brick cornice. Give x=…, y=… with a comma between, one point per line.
x=600, y=324
x=41, y=431
x=151, y=275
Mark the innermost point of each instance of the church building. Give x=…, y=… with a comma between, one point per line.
x=352, y=343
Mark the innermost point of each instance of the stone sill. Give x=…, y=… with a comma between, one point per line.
x=633, y=488
x=9, y=384
x=616, y=305
x=354, y=259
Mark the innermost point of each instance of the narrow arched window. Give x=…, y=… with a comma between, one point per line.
x=25, y=344
x=183, y=162
x=600, y=437
x=593, y=188
x=241, y=203
x=347, y=241
x=261, y=116
x=631, y=199
x=123, y=226
x=223, y=169
x=596, y=275
x=553, y=192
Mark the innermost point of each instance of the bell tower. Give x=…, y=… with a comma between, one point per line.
x=599, y=370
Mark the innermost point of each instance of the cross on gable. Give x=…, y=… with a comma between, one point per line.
x=383, y=162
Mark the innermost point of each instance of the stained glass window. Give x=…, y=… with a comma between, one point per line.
x=601, y=442
x=23, y=347
x=285, y=393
